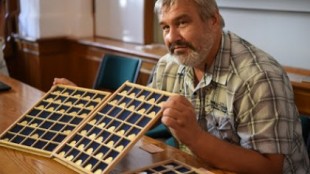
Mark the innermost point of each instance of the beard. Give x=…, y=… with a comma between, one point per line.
x=194, y=57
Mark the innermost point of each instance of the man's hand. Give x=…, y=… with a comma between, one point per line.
x=179, y=115
x=63, y=81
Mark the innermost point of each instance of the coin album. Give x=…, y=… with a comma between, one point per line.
x=87, y=130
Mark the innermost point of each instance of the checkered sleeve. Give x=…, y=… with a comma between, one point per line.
x=266, y=113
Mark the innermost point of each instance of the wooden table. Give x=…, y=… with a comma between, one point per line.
x=22, y=97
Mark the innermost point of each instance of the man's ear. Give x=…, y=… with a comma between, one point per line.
x=216, y=19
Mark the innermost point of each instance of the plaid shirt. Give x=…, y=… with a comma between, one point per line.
x=246, y=99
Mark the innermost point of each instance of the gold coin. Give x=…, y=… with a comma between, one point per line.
x=99, y=139
x=87, y=97
x=88, y=167
x=83, y=132
x=99, y=155
x=110, y=143
x=142, y=97
x=111, y=129
x=120, y=148
x=101, y=125
x=35, y=136
x=72, y=143
x=24, y=123
x=121, y=132
x=92, y=136
x=152, y=114
x=34, y=125
x=93, y=122
x=141, y=111
x=99, y=171
x=131, y=108
x=78, y=162
x=98, y=99
x=132, y=136
x=152, y=100
x=70, y=157
x=90, y=150
x=62, y=154
x=81, y=147
x=108, y=160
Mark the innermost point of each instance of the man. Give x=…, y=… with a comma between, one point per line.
x=238, y=110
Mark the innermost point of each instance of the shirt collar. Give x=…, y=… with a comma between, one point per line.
x=221, y=67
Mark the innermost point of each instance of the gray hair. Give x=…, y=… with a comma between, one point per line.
x=206, y=8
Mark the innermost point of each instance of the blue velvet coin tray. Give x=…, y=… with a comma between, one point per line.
x=46, y=125
x=112, y=130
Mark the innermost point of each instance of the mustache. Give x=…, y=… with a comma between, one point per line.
x=180, y=43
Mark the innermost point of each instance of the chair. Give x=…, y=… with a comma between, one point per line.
x=114, y=70
x=160, y=131
x=305, y=123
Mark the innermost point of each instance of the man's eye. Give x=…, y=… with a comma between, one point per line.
x=165, y=28
x=182, y=23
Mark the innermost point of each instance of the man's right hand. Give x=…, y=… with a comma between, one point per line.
x=63, y=81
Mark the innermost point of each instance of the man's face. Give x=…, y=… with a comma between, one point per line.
x=188, y=38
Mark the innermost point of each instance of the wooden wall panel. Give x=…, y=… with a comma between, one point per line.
x=77, y=60
x=40, y=61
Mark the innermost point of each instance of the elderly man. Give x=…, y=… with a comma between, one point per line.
x=236, y=106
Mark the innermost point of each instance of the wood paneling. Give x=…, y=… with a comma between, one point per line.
x=76, y=59
x=301, y=88
x=41, y=60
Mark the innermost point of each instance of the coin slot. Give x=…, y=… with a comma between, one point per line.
x=18, y=139
x=59, y=138
x=133, y=131
x=61, y=99
x=124, y=115
x=44, y=114
x=154, y=96
x=55, y=116
x=76, y=120
x=40, y=144
x=134, y=118
x=57, y=127
x=48, y=136
x=136, y=91
x=145, y=94
x=50, y=147
x=65, y=118
x=144, y=121
x=115, y=112
x=26, y=131
x=106, y=109
x=28, y=142
x=34, y=112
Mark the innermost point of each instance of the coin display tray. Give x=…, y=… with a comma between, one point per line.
x=46, y=125
x=110, y=132
x=166, y=167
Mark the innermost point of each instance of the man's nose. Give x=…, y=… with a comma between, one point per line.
x=173, y=35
